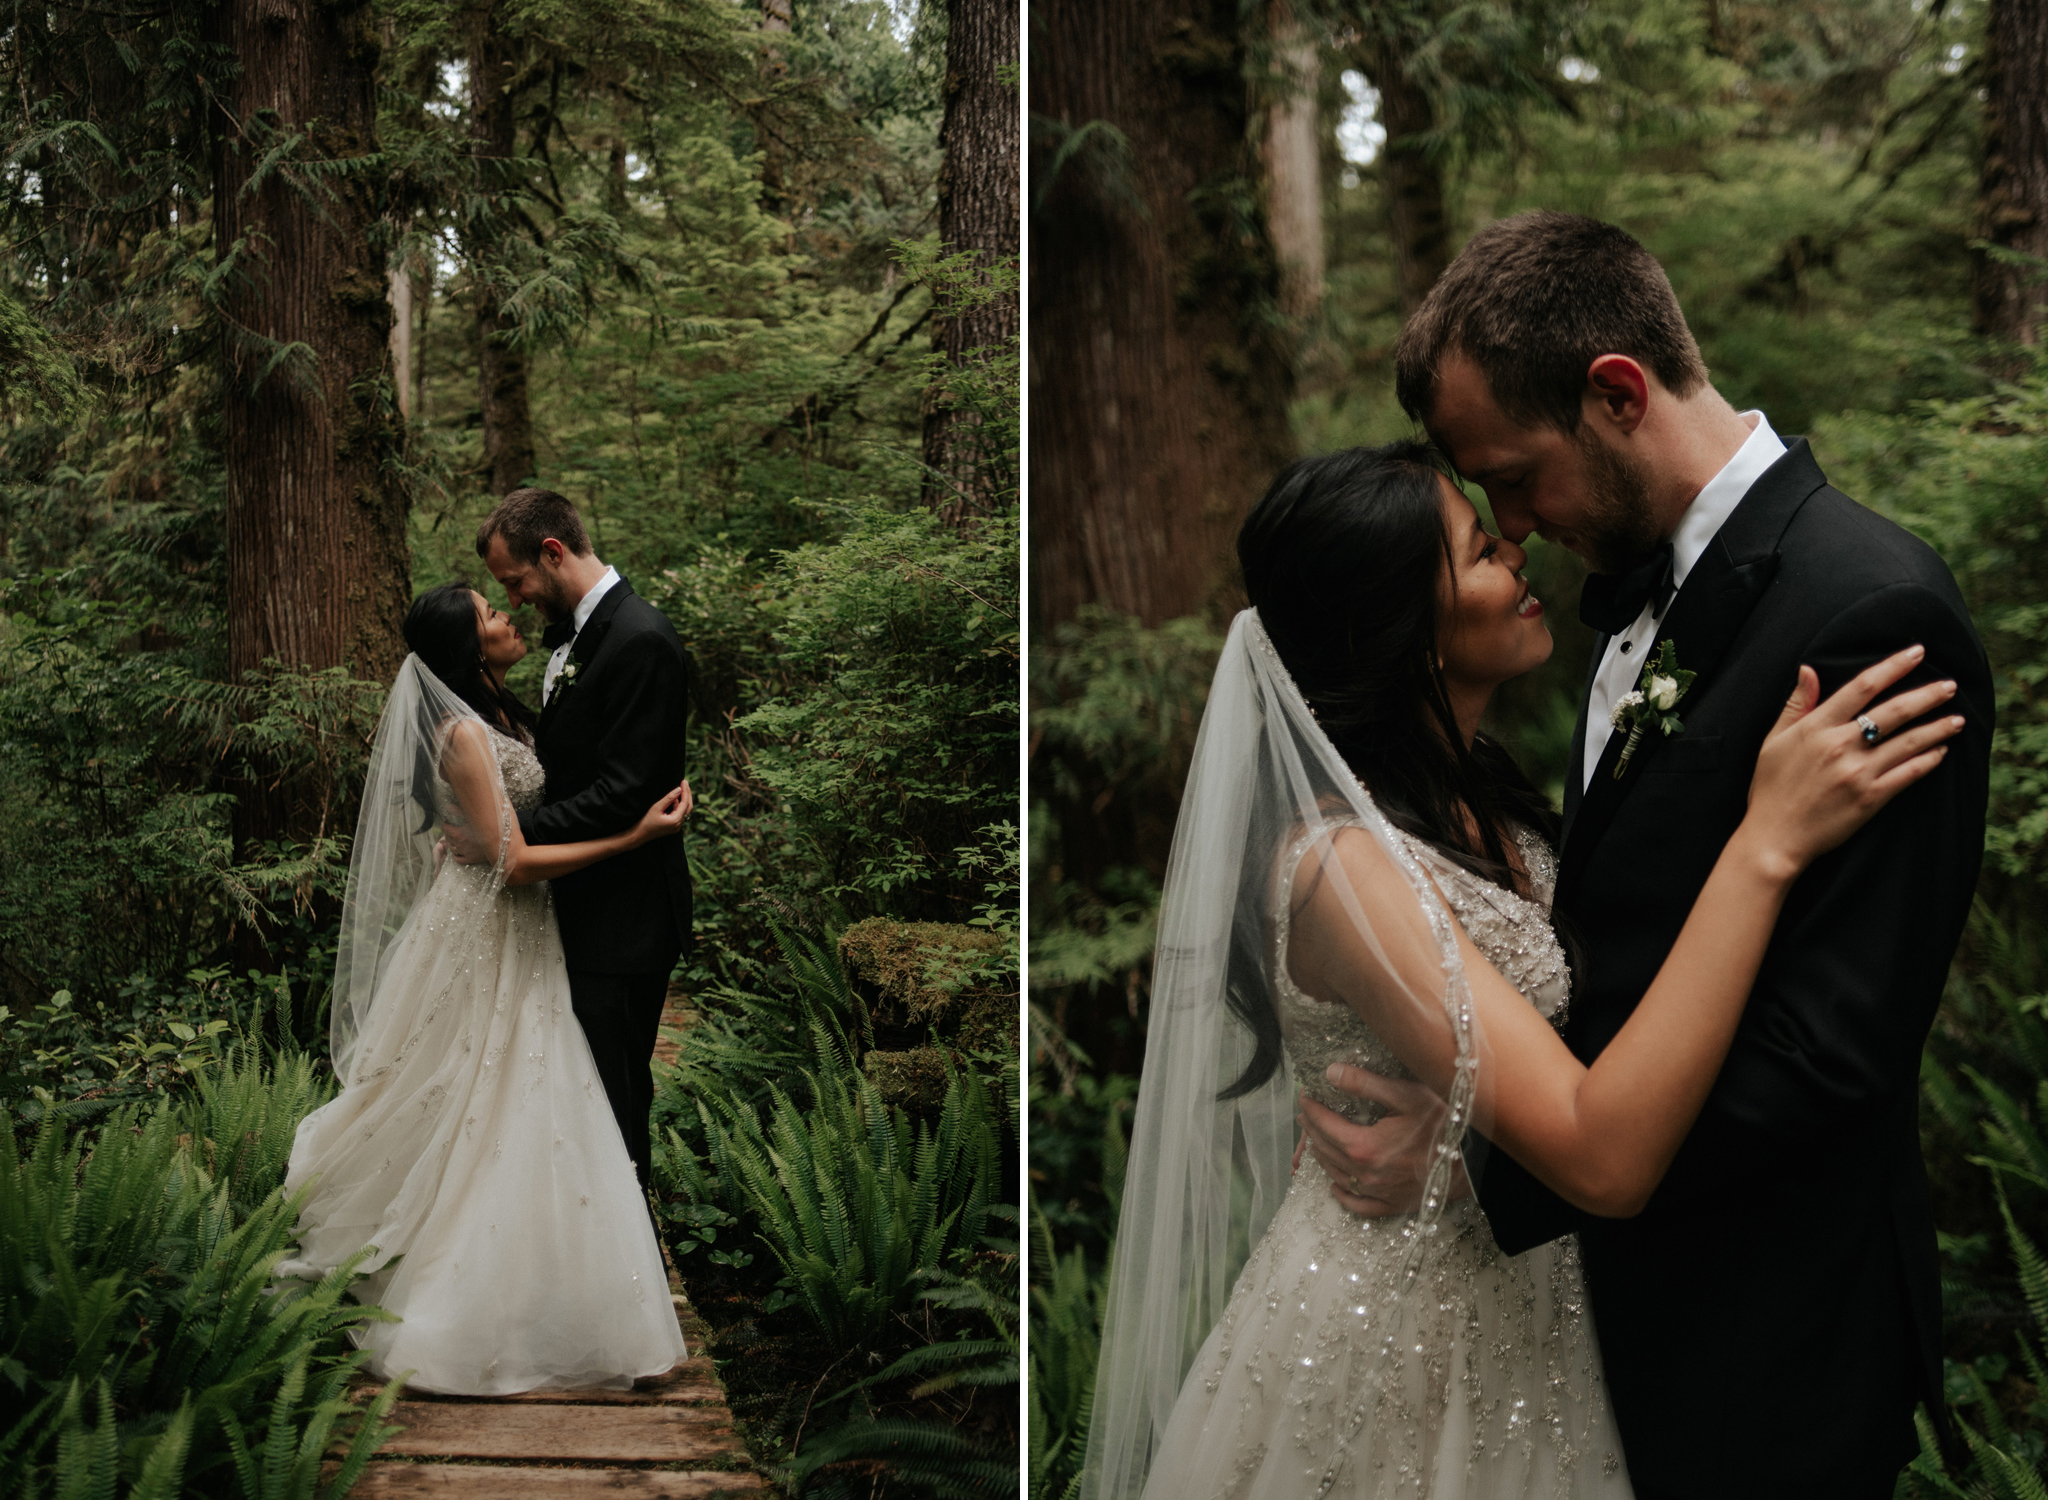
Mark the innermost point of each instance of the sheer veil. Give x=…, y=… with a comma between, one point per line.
x=392, y=863
x=1206, y=1174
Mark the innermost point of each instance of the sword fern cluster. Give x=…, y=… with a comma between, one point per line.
x=145, y=1349
x=855, y=1201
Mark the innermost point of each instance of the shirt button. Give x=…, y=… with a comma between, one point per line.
x=1627, y=646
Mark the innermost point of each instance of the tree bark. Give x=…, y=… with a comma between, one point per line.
x=317, y=561
x=1293, y=156
x=2013, y=184
x=1412, y=182
x=502, y=382
x=1158, y=389
x=978, y=211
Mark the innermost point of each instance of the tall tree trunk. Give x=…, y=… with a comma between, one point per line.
x=1158, y=393
x=1293, y=156
x=2013, y=201
x=502, y=384
x=978, y=211
x=1412, y=182
x=401, y=338
x=318, y=569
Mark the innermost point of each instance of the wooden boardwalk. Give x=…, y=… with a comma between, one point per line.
x=669, y=1438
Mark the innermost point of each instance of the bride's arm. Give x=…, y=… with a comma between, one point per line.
x=471, y=770
x=1602, y=1136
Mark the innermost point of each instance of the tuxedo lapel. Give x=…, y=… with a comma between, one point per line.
x=583, y=650
x=1705, y=617
x=1575, y=770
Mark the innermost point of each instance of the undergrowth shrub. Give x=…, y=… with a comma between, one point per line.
x=855, y=1258
x=148, y=1351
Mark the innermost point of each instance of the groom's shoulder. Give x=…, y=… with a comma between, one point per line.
x=1856, y=550
x=636, y=616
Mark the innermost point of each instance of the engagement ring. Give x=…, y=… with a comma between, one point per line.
x=1871, y=733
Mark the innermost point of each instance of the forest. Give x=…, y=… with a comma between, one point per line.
x=1232, y=210
x=291, y=293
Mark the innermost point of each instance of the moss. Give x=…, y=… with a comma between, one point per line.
x=916, y=969
x=920, y=979
x=914, y=1081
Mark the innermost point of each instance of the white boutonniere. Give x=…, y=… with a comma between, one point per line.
x=566, y=678
x=1662, y=683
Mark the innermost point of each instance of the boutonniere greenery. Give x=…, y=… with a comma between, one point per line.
x=1662, y=684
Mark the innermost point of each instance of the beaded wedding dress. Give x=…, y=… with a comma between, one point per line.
x=1495, y=1393
x=472, y=1144
x=1259, y=1341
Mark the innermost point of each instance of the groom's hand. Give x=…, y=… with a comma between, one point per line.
x=1376, y=1169
x=463, y=843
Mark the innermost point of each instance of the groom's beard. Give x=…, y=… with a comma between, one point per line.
x=553, y=601
x=1619, y=530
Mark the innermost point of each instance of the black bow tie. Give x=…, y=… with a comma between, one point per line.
x=558, y=634
x=1610, y=602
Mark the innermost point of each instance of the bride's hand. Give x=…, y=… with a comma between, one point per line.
x=665, y=817
x=1818, y=779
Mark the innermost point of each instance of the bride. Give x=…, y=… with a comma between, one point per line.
x=471, y=1145
x=1358, y=877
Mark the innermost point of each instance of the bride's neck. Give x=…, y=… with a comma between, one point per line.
x=495, y=676
x=1468, y=707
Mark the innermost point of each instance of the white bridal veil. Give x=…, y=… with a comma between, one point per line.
x=1206, y=1175
x=392, y=864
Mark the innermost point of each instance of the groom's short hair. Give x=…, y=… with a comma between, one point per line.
x=1533, y=300
x=527, y=517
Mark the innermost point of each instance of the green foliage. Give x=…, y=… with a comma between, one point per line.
x=824, y=1229
x=1968, y=476
x=147, y=1346
x=851, y=1200
x=892, y=686
x=120, y=878
x=1068, y=1298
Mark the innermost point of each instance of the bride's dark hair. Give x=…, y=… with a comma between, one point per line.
x=1342, y=559
x=441, y=630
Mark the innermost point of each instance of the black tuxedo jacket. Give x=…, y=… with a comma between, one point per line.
x=1769, y=1320
x=611, y=742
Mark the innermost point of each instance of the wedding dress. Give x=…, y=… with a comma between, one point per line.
x=472, y=1144
x=1259, y=1341
x=1497, y=1394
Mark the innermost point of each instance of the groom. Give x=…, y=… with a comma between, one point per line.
x=614, y=699
x=1771, y=1318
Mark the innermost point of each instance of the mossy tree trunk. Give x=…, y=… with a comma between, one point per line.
x=1159, y=384
x=1413, y=180
x=318, y=569
x=503, y=386
x=1294, y=168
x=2013, y=191
x=978, y=211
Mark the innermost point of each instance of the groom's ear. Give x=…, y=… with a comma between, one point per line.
x=1617, y=392
x=552, y=552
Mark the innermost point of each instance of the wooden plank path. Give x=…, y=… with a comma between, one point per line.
x=669, y=1438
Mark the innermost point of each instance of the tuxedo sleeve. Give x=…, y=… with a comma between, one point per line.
x=1832, y=1035
x=640, y=747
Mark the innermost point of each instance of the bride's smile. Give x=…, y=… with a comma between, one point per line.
x=1490, y=626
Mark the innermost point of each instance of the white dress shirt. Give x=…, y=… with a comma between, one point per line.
x=1712, y=506
x=579, y=617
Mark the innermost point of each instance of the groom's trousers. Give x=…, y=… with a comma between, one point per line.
x=621, y=1017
